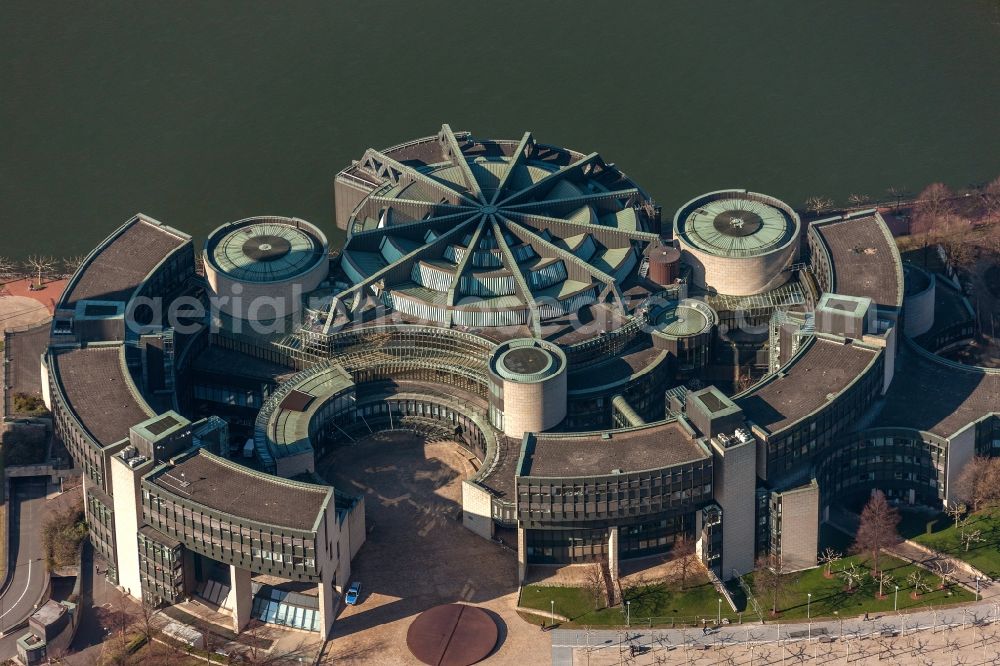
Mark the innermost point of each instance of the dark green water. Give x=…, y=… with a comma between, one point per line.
x=198, y=114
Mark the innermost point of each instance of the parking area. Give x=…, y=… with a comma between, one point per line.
x=417, y=554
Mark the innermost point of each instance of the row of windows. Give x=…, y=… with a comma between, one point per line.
x=814, y=435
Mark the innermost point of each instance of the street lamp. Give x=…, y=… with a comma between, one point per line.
x=552, y=609
x=809, y=600
x=718, y=619
x=628, y=613
x=837, y=615
x=895, y=600
x=977, y=588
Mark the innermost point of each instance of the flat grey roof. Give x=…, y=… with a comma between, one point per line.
x=25, y=348
x=817, y=376
x=589, y=454
x=865, y=259
x=99, y=393
x=936, y=396
x=121, y=265
x=228, y=487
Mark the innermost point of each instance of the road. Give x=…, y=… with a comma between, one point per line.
x=28, y=578
x=26, y=561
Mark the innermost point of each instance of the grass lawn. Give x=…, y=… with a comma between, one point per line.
x=657, y=602
x=829, y=595
x=985, y=556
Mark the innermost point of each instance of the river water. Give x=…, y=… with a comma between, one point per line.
x=198, y=114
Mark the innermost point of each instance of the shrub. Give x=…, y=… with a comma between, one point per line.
x=62, y=536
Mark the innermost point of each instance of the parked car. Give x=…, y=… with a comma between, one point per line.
x=353, y=592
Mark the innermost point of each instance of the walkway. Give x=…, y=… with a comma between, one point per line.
x=604, y=644
x=45, y=297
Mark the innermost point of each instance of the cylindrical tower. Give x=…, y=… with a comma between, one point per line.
x=259, y=268
x=527, y=386
x=918, y=300
x=738, y=242
x=664, y=264
x=685, y=329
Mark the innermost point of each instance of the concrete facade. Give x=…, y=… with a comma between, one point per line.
x=241, y=596
x=735, y=486
x=799, y=521
x=961, y=449
x=477, y=507
x=128, y=518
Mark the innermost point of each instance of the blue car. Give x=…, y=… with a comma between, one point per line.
x=353, y=592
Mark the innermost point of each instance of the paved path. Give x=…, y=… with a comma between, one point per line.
x=608, y=640
x=29, y=577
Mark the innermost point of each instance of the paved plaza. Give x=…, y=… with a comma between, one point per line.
x=418, y=554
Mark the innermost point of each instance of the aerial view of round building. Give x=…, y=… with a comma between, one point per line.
x=612, y=383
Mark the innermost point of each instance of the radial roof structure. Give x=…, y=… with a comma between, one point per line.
x=474, y=232
x=684, y=319
x=266, y=249
x=736, y=224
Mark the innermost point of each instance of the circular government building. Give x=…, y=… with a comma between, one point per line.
x=615, y=384
x=265, y=263
x=737, y=242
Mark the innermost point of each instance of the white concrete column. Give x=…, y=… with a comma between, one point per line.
x=522, y=555
x=613, y=553
x=327, y=607
x=241, y=595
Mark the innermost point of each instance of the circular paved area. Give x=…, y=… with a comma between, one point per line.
x=452, y=635
x=20, y=311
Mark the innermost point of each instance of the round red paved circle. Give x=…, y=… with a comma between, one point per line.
x=452, y=635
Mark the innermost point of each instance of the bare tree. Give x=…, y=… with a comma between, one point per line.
x=594, y=584
x=683, y=556
x=990, y=196
x=878, y=527
x=945, y=569
x=858, y=199
x=896, y=193
x=933, y=207
x=918, y=582
x=8, y=269
x=970, y=537
x=70, y=264
x=853, y=575
x=114, y=649
x=818, y=205
x=979, y=483
x=956, y=511
x=40, y=265
x=768, y=580
x=883, y=579
x=828, y=558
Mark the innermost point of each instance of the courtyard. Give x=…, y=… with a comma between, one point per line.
x=418, y=554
